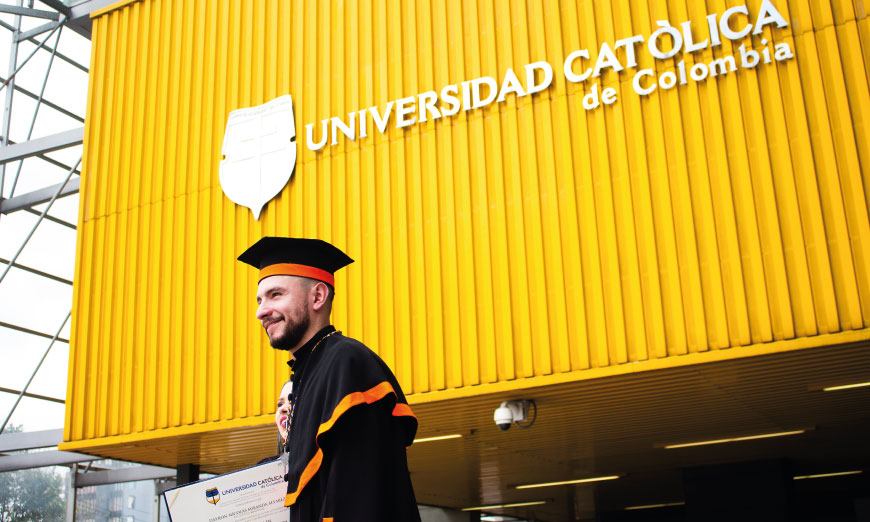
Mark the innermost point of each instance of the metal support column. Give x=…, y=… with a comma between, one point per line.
x=10, y=90
x=71, y=493
x=187, y=473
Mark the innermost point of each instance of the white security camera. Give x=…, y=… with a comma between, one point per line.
x=503, y=417
x=513, y=412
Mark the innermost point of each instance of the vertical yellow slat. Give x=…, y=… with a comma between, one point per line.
x=123, y=366
x=463, y=148
x=413, y=341
x=98, y=364
x=226, y=352
x=150, y=219
x=162, y=261
x=480, y=150
x=91, y=367
x=405, y=68
x=593, y=292
x=448, y=44
x=201, y=345
x=514, y=46
x=190, y=213
x=426, y=325
x=370, y=253
x=150, y=59
x=133, y=367
x=135, y=281
x=536, y=218
x=558, y=359
x=118, y=185
x=574, y=354
x=434, y=297
x=359, y=60
x=627, y=332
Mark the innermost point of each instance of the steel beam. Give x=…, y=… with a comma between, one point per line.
x=54, y=106
x=58, y=6
x=26, y=11
x=36, y=31
x=114, y=476
x=38, y=197
x=30, y=148
x=37, y=272
x=29, y=331
x=60, y=222
x=33, y=396
x=30, y=440
x=54, y=162
x=43, y=458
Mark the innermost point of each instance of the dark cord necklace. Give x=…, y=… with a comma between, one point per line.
x=297, y=390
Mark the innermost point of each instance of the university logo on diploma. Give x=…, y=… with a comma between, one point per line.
x=254, y=494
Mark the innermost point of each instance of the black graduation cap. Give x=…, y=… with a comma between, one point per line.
x=297, y=256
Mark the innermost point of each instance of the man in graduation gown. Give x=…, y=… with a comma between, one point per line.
x=350, y=422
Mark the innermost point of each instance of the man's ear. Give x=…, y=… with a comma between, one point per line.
x=319, y=296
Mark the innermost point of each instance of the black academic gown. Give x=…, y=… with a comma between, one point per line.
x=351, y=425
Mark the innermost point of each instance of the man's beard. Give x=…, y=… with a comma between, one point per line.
x=293, y=332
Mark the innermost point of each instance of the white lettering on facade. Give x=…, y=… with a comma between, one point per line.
x=666, y=42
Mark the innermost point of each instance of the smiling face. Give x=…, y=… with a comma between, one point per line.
x=283, y=310
x=282, y=414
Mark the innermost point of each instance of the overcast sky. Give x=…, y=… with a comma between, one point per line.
x=28, y=300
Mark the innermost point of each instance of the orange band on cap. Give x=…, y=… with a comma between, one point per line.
x=298, y=270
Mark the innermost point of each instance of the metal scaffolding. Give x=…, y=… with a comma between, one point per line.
x=35, y=33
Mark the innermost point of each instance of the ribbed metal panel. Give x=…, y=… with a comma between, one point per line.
x=524, y=239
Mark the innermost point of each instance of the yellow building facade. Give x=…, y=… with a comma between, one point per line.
x=539, y=195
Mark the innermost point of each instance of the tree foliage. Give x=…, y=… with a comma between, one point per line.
x=31, y=495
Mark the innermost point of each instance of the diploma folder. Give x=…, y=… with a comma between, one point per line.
x=254, y=494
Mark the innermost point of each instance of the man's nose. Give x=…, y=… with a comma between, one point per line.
x=263, y=311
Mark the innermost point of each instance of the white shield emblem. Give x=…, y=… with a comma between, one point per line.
x=259, y=154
